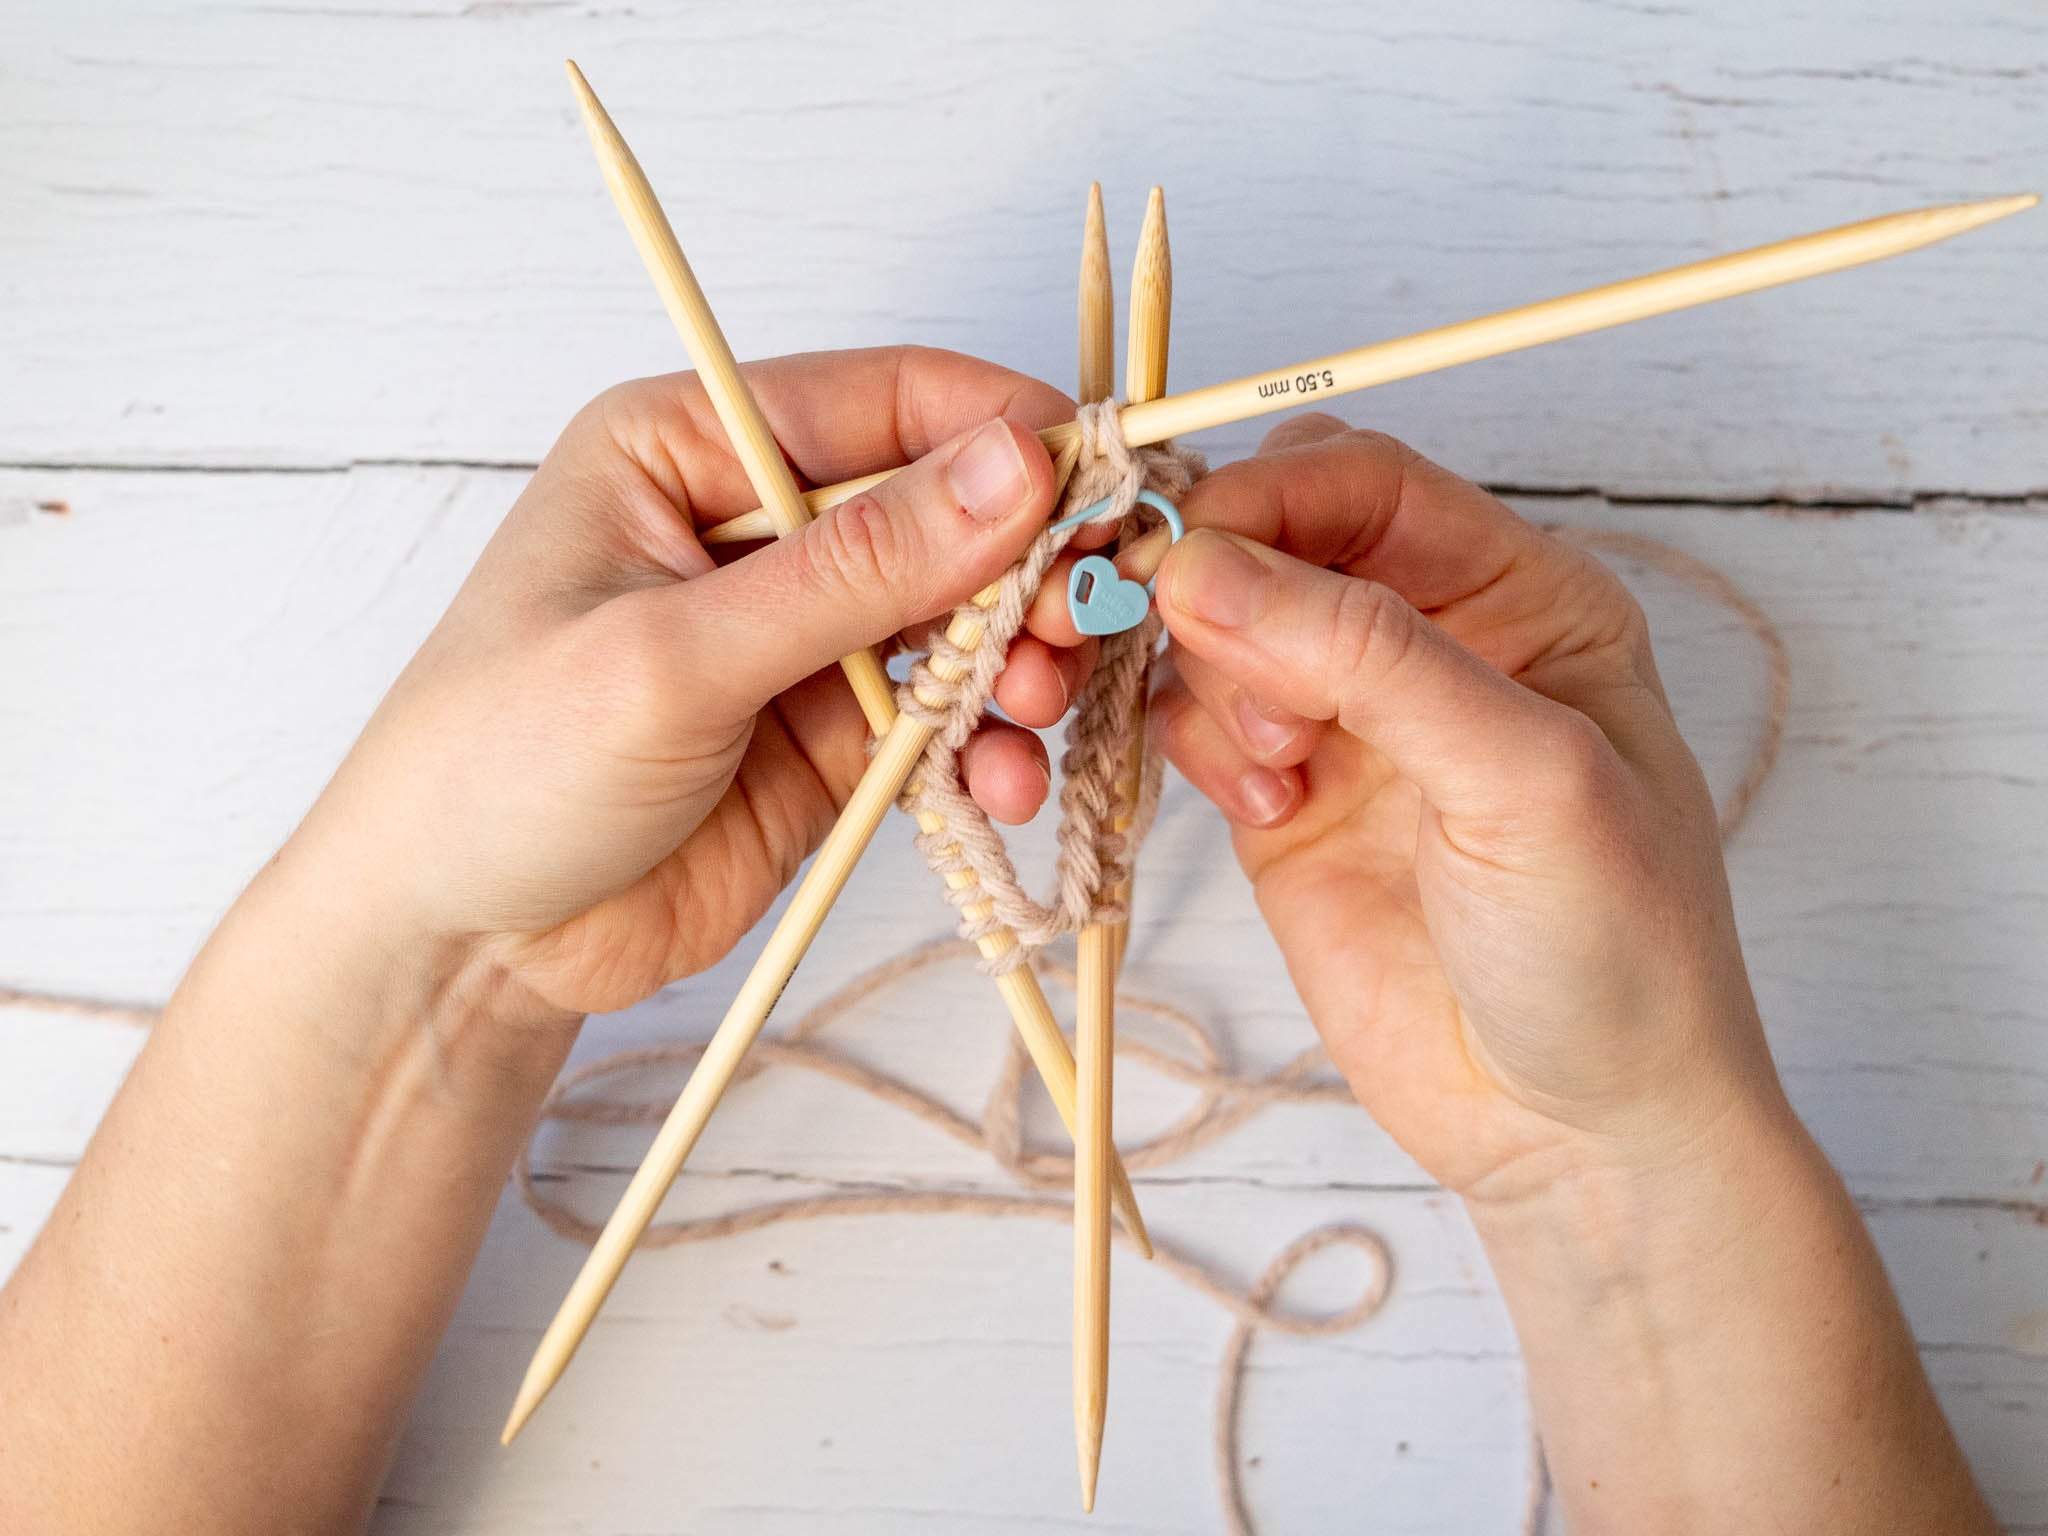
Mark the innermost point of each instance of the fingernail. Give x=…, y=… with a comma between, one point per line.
x=1215, y=580
x=1268, y=730
x=1266, y=796
x=989, y=476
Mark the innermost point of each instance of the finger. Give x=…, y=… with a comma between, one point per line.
x=1007, y=771
x=1039, y=681
x=1370, y=506
x=1048, y=616
x=1262, y=731
x=836, y=415
x=1309, y=427
x=618, y=498
x=912, y=547
x=1249, y=793
x=1334, y=647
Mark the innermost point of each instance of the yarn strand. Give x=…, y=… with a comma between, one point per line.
x=951, y=689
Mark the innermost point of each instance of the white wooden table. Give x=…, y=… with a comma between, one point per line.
x=291, y=297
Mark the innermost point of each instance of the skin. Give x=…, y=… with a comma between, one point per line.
x=1453, y=782
x=1494, y=869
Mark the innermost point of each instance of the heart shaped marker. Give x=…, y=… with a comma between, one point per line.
x=1101, y=601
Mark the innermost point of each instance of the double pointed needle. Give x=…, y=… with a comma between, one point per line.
x=903, y=743
x=1100, y=947
x=1510, y=330
x=1092, y=1040
x=1143, y=422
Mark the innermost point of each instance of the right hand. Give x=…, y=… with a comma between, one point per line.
x=1467, y=813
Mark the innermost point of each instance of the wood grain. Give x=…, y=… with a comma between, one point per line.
x=243, y=252
x=1524, y=327
x=1887, y=889
x=235, y=253
x=1095, y=980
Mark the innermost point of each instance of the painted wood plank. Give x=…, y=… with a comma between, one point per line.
x=187, y=656
x=883, y=1373
x=316, y=235
x=183, y=656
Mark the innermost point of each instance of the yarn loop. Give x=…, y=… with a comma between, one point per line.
x=950, y=691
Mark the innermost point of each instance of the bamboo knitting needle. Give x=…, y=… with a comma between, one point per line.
x=753, y=443
x=1144, y=379
x=1096, y=308
x=1093, y=1143
x=769, y=473
x=1100, y=943
x=834, y=863
x=1511, y=330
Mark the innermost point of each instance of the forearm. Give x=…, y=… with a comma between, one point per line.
x=1716, y=1348
x=225, y=1319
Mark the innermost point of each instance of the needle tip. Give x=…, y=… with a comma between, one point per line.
x=1091, y=1464
x=522, y=1410
x=1152, y=238
x=1960, y=218
x=1125, y=1202
x=1991, y=208
x=586, y=98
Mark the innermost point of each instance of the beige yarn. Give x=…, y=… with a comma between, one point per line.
x=1224, y=1101
x=1094, y=859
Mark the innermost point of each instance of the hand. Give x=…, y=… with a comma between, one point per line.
x=613, y=752
x=1468, y=816
x=1495, y=872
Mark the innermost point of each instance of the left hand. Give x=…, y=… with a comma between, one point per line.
x=612, y=752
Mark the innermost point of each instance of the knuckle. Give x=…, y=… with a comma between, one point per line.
x=1310, y=427
x=855, y=549
x=616, y=410
x=628, y=418
x=1588, y=586
x=1634, y=635
x=1370, y=630
x=1577, y=772
x=614, y=665
x=1630, y=621
x=640, y=665
x=1384, y=444
x=1385, y=455
x=1171, y=727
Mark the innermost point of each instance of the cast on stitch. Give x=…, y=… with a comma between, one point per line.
x=1093, y=859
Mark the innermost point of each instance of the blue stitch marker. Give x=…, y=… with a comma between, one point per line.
x=1099, y=599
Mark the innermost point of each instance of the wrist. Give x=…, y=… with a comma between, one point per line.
x=362, y=972
x=295, y=1178
x=1605, y=1216
x=1711, y=1344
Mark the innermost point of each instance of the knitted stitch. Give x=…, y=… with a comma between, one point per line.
x=950, y=689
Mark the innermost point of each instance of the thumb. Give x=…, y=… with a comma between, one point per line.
x=914, y=546
x=1479, y=745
